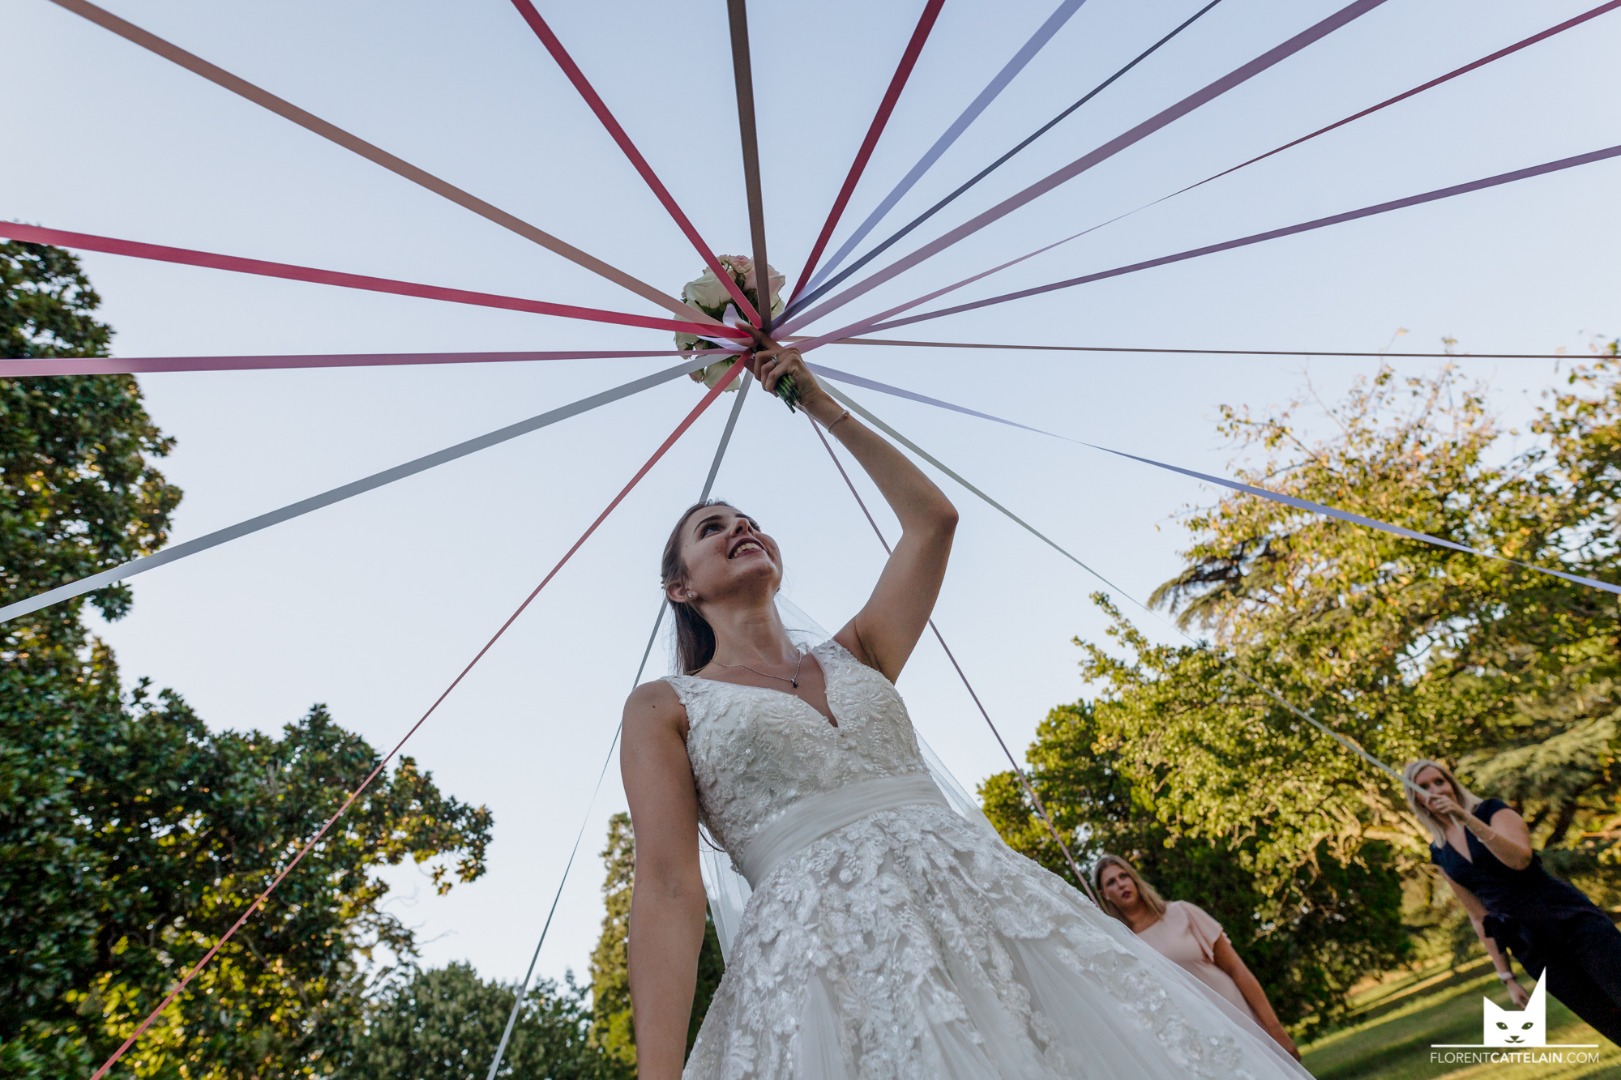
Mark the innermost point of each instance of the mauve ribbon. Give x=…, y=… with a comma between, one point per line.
x=1271, y=234
x=44, y=367
x=175, y=552
x=382, y=762
x=1243, y=676
x=1018, y=770
x=903, y=71
x=1120, y=142
x=399, y=166
x=1233, y=485
x=876, y=320
x=1043, y=34
x=522, y=993
x=1199, y=352
x=737, y=21
x=190, y=257
x=554, y=45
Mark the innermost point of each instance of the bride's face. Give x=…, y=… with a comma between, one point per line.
x=723, y=551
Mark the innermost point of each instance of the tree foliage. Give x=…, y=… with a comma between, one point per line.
x=610, y=972
x=1408, y=649
x=131, y=833
x=445, y=1024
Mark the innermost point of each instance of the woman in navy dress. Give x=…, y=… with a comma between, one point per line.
x=1484, y=850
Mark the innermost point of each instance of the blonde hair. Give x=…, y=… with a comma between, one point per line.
x=1460, y=795
x=1150, y=895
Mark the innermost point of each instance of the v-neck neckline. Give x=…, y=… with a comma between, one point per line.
x=830, y=718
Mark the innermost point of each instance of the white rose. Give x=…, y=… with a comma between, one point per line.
x=715, y=372
x=686, y=342
x=705, y=292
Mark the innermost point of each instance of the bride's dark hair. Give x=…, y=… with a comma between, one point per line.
x=694, y=638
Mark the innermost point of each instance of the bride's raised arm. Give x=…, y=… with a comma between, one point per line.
x=884, y=632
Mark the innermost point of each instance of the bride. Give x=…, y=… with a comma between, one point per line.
x=886, y=936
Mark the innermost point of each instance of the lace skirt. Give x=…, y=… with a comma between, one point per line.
x=915, y=944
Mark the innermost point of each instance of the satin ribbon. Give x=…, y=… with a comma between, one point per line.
x=993, y=89
x=1222, y=481
x=1294, y=710
x=904, y=230
x=382, y=762
x=399, y=166
x=1007, y=752
x=554, y=45
x=29, y=367
x=1201, y=352
x=1075, y=168
x=867, y=324
x=292, y=272
x=903, y=71
x=175, y=552
x=737, y=22
x=534, y=958
x=1272, y=234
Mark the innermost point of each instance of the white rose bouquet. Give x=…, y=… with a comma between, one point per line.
x=709, y=295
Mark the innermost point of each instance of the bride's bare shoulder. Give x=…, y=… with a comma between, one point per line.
x=654, y=706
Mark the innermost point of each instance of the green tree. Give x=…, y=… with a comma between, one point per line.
x=445, y=1024
x=132, y=835
x=1307, y=932
x=78, y=490
x=610, y=972
x=1406, y=648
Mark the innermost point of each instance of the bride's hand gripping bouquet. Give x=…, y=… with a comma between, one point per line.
x=710, y=295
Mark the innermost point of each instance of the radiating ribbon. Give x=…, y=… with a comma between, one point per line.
x=680, y=429
x=1234, y=485
x=399, y=166
x=1201, y=352
x=190, y=257
x=338, y=494
x=1043, y=34
x=1271, y=234
x=866, y=324
x=529, y=974
x=903, y=71
x=1303, y=714
x=737, y=20
x=1018, y=770
x=554, y=45
x=906, y=229
x=1120, y=142
x=29, y=367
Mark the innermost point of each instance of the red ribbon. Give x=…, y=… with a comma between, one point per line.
x=188, y=257
x=680, y=429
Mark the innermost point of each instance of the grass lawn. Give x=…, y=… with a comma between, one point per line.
x=1392, y=1025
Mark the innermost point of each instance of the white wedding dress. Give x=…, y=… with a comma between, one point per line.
x=889, y=937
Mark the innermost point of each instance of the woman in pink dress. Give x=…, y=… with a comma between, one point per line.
x=1189, y=935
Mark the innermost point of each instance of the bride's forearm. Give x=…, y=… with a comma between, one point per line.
x=665, y=935
x=917, y=502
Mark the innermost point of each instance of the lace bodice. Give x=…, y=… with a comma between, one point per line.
x=756, y=752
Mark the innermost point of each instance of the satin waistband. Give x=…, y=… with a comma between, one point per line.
x=815, y=816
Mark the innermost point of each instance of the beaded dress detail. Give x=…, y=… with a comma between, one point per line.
x=888, y=937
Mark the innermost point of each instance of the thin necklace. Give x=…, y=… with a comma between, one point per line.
x=793, y=682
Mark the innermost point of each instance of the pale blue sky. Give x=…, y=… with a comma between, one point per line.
x=373, y=606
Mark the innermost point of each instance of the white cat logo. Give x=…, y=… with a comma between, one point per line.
x=1516, y=1027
